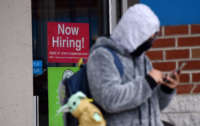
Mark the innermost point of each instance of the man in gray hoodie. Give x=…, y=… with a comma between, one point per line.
x=137, y=97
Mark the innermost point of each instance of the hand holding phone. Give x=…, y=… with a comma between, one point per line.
x=172, y=75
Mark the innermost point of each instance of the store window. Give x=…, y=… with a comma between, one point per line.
x=87, y=15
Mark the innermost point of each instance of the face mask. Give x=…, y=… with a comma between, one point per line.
x=142, y=48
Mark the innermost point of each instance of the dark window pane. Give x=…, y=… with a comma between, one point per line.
x=93, y=12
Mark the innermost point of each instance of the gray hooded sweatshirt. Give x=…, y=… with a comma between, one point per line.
x=128, y=100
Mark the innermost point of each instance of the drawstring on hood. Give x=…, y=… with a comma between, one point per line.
x=136, y=26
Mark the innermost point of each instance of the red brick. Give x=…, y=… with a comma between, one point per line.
x=197, y=89
x=196, y=53
x=184, y=89
x=165, y=66
x=160, y=43
x=176, y=30
x=195, y=29
x=177, y=54
x=155, y=55
x=184, y=78
x=192, y=65
x=190, y=41
x=196, y=77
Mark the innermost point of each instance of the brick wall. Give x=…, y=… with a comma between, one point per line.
x=174, y=45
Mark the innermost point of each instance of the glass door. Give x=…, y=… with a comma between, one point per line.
x=93, y=14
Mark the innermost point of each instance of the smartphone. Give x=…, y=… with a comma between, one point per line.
x=181, y=67
x=178, y=70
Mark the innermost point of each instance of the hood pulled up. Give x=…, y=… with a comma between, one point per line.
x=136, y=26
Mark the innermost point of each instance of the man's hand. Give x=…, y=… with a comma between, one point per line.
x=172, y=82
x=156, y=75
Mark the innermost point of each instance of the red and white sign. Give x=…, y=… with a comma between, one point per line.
x=67, y=42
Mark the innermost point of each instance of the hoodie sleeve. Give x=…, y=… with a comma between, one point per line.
x=164, y=97
x=107, y=88
x=163, y=93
